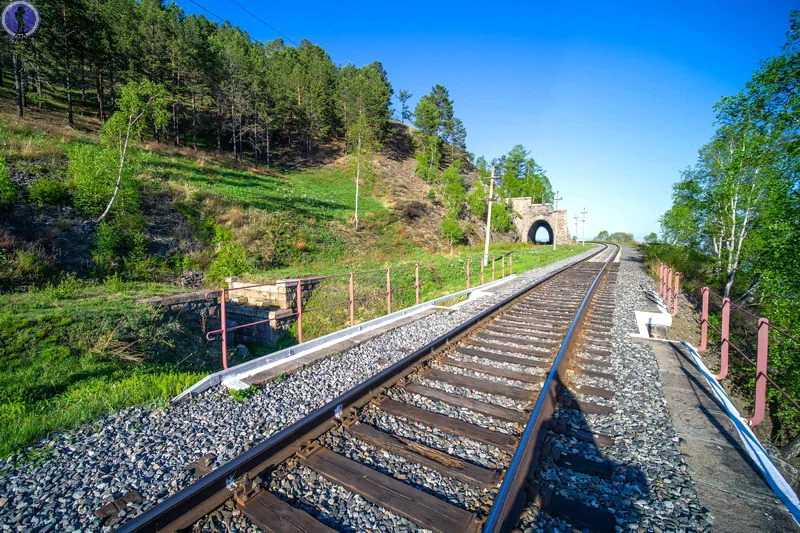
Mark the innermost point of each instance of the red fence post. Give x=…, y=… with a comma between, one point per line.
x=726, y=327
x=468, y=273
x=704, y=321
x=416, y=282
x=676, y=291
x=761, y=372
x=388, y=291
x=224, y=327
x=668, y=289
x=511, y=263
x=299, y=311
x=352, y=300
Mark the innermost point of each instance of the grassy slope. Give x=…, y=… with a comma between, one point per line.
x=78, y=350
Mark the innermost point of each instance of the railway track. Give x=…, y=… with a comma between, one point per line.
x=451, y=437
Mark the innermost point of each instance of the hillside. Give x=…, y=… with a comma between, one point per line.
x=193, y=201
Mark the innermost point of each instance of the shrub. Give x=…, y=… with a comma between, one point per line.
x=69, y=287
x=8, y=192
x=231, y=260
x=502, y=217
x=92, y=172
x=451, y=230
x=121, y=247
x=48, y=191
x=476, y=201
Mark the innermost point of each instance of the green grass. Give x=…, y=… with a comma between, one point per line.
x=324, y=194
x=72, y=353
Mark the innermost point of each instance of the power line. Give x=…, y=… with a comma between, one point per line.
x=276, y=30
x=273, y=28
x=208, y=11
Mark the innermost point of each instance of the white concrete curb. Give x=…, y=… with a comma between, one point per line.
x=233, y=376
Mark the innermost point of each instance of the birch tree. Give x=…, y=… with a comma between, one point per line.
x=141, y=104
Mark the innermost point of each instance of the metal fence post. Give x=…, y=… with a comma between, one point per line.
x=726, y=328
x=224, y=327
x=668, y=288
x=388, y=291
x=352, y=299
x=299, y=311
x=704, y=321
x=416, y=282
x=468, y=273
x=761, y=372
x=676, y=292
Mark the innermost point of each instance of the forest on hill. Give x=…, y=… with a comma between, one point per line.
x=735, y=219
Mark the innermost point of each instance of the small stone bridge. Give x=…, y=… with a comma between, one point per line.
x=533, y=216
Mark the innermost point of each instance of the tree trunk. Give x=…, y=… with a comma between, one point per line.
x=83, y=81
x=112, y=97
x=194, y=121
x=100, y=96
x=255, y=139
x=175, y=121
x=18, y=82
x=67, y=66
x=358, y=178
x=233, y=132
x=24, y=78
x=219, y=126
x=39, y=86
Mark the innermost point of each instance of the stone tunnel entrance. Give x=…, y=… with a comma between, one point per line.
x=530, y=218
x=547, y=232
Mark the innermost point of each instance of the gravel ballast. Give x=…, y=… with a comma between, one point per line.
x=651, y=487
x=146, y=449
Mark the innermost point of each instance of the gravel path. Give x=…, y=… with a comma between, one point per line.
x=146, y=449
x=651, y=487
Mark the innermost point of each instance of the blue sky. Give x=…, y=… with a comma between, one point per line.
x=612, y=99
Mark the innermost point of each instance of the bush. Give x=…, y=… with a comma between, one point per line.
x=121, y=247
x=48, y=191
x=476, y=201
x=92, y=172
x=231, y=260
x=68, y=288
x=451, y=230
x=502, y=217
x=8, y=192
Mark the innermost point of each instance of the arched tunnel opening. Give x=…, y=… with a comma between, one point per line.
x=540, y=232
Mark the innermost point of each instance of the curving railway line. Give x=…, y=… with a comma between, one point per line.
x=481, y=409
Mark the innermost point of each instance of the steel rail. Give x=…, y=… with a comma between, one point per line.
x=504, y=513
x=209, y=492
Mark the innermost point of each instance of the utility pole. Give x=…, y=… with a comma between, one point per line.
x=576, y=217
x=584, y=224
x=489, y=220
x=556, y=198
